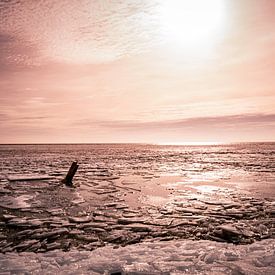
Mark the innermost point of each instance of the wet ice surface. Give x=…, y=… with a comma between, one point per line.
x=128, y=194
x=172, y=257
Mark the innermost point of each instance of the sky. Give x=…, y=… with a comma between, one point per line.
x=149, y=71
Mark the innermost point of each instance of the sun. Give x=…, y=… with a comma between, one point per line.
x=192, y=24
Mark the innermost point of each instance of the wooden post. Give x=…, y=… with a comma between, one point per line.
x=68, y=180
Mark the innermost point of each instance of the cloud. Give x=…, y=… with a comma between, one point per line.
x=3, y=117
x=5, y=38
x=9, y=119
x=17, y=53
x=99, y=65
x=95, y=31
x=253, y=127
x=223, y=122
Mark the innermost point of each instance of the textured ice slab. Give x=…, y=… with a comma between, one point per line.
x=173, y=257
x=18, y=202
x=28, y=177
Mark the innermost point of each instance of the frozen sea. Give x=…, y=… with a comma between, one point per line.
x=249, y=162
x=249, y=167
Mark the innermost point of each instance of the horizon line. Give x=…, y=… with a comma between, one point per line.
x=187, y=143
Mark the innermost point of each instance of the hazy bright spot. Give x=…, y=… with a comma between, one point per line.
x=190, y=24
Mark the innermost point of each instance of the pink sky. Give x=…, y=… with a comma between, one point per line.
x=137, y=71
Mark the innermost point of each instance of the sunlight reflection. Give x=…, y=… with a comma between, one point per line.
x=207, y=188
x=191, y=143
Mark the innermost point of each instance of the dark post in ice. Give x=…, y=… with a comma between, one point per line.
x=68, y=180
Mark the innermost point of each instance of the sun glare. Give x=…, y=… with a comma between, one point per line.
x=191, y=143
x=192, y=24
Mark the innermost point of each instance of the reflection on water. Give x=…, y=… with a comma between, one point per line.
x=209, y=188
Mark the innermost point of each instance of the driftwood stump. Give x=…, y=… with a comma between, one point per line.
x=68, y=180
